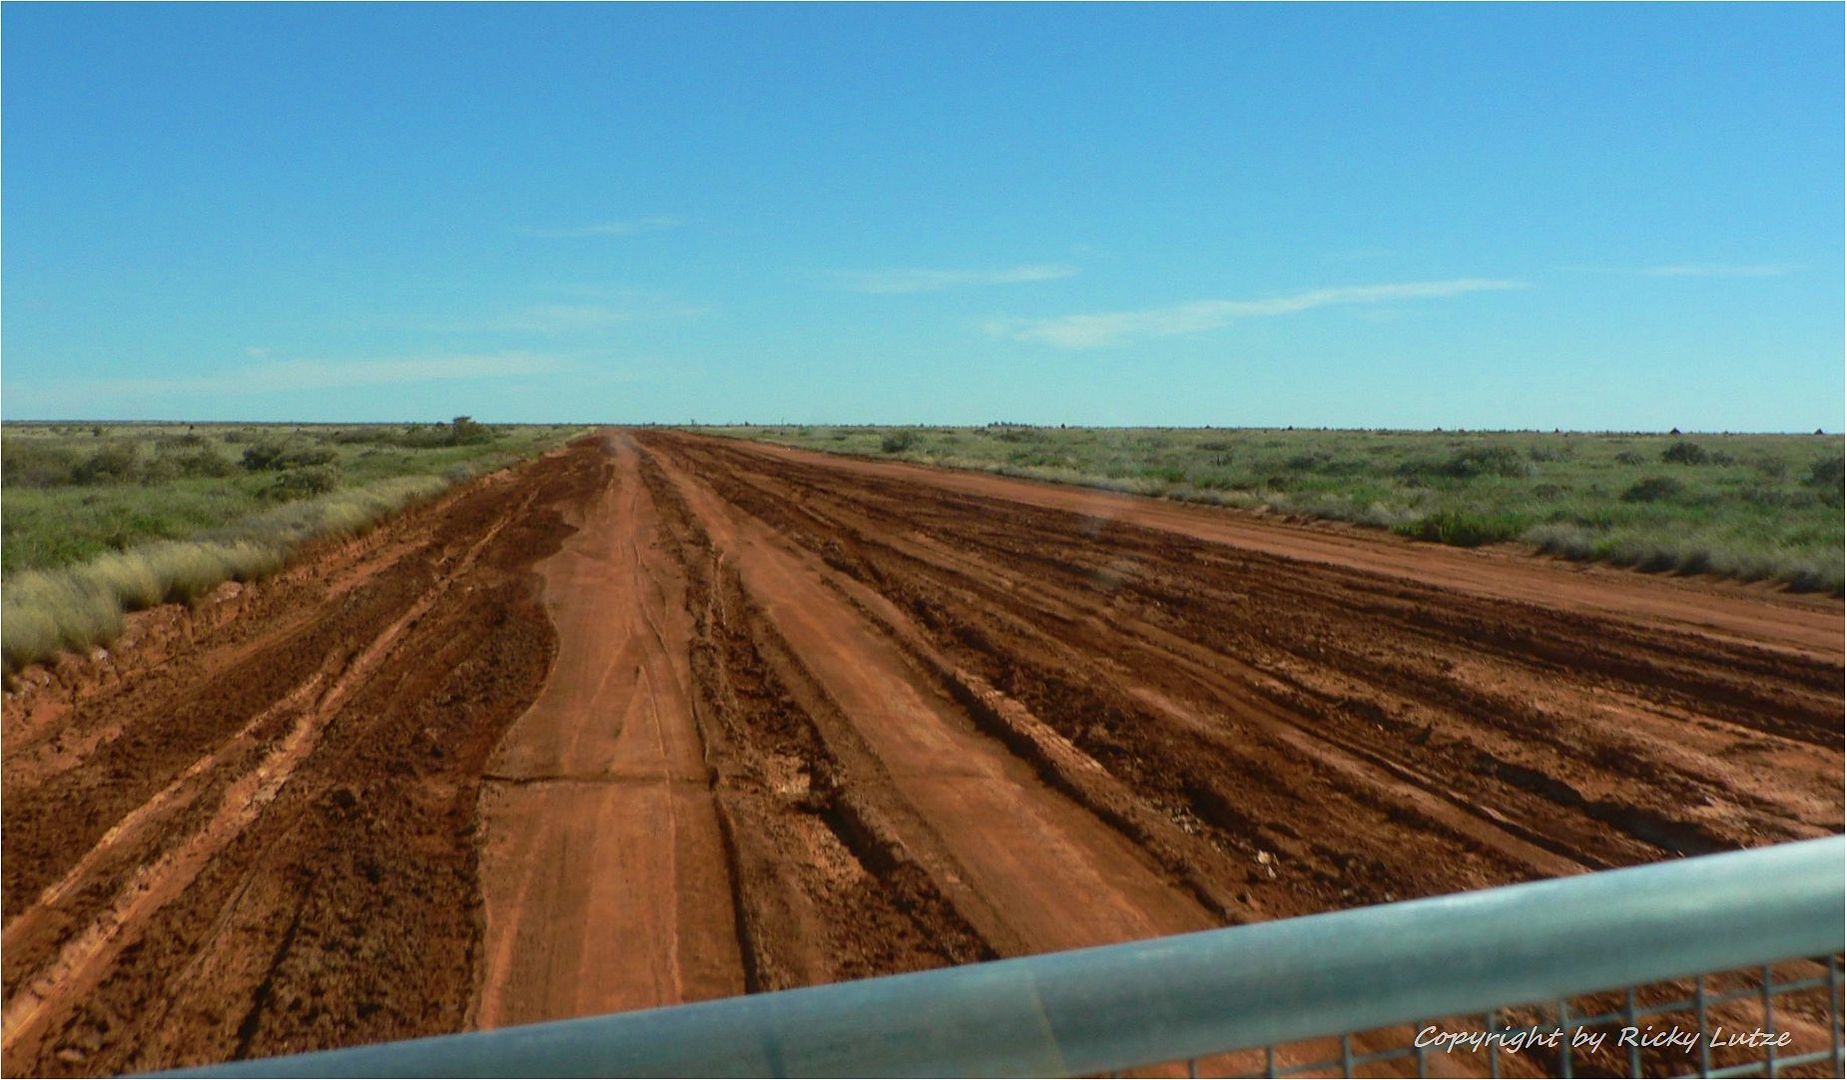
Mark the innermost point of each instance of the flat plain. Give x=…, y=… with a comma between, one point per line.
x=1748, y=507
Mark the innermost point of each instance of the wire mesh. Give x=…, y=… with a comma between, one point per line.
x=1779, y=1020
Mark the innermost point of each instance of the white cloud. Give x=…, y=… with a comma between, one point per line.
x=920, y=280
x=555, y=318
x=1111, y=327
x=290, y=376
x=629, y=227
x=609, y=309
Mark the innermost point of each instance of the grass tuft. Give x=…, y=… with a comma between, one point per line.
x=75, y=597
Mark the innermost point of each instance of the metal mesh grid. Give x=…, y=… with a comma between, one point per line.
x=1779, y=1020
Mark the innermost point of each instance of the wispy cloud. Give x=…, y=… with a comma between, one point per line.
x=1111, y=327
x=555, y=319
x=628, y=227
x=292, y=377
x=604, y=310
x=920, y=280
x=1696, y=270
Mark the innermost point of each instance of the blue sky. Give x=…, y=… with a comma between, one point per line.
x=1404, y=216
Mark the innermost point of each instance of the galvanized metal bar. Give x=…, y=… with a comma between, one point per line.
x=1635, y=1047
x=1095, y=1010
x=1705, y=1031
x=1769, y=1021
x=1564, y=1042
x=1834, y=1013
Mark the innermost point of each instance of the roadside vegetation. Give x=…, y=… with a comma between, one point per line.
x=1750, y=507
x=103, y=519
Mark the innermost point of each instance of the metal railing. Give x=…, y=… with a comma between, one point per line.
x=1391, y=988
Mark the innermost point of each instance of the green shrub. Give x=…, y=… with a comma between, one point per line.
x=204, y=462
x=27, y=464
x=463, y=430
x=114, y=463
x=263, y=456
x=305, y=457
x=1468, y=464
x=1458, y=528
x=302, y=483
x=1685, y=453
x=1488, y=461
x=897, y=442
x=1771, y=468
x=158, y=471
x=1564, y=540
x=1654, y=489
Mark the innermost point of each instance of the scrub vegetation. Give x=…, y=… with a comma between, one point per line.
x=1750, y=507
x=103, y=519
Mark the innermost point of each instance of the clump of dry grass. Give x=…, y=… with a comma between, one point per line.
x=80, y=607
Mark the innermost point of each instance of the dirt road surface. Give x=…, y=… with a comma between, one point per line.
x=665, y=718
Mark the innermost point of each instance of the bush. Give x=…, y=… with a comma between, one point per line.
x=1826, y=473
x=302, y=483
x=203, y=462
x=28, y=465
x=1565, y=540
x=115, y=463
x=296, y=459
x=263, y=456
x=1488, y=461
x=158, y=471
x=1473, y=462
x=896, y=442
x=463, y=430
x=1630, y=457
x=82, y=606
x=1458, y=528
x=1771, y=468
x=1686, y=453
x=1654, y=489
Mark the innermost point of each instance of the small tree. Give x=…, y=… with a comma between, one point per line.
x=464, y=430
x=263, y=456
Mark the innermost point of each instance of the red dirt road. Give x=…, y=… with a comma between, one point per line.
x=667, y=718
